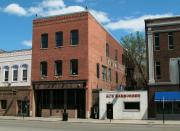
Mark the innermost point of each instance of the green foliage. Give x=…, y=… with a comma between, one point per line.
x=135, y=56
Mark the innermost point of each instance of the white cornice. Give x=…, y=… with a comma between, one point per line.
x=163, y=23
x=16, y=53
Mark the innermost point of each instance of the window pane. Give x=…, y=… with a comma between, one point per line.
x=59, y=39
x=6, y=75
x=45, y=94
x=44, y=68
x=132, y=105
x=71, y=99
x=74, y=37
x=104, y=72
x=58, y=68
x=44, y=41
x=168, y=107
x=3, y=104
x=109, y=74
x=117, y=77
x=15, y=75
x=74, y=67
x=157, y=47
x=158, y=70
x=97, y=70
x=24, y=74
x=176, y=109
x=58, y=99
x=170, y=40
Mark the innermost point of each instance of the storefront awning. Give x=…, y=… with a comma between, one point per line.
x=167, y=96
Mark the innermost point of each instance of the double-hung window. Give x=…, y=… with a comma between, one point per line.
x=59, y=39
x=170, y=40
x=43, y=68
x=74, y=37
x=44, y=40
x=156, y=41
x=74, y=67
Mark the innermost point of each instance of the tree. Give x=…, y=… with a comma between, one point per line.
x=135, y=60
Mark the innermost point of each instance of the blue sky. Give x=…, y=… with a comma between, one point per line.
x=120, y=17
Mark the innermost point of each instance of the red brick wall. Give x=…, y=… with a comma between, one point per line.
x=90, y=50
x=98, y=37
x=164, y=54
x=65, y=53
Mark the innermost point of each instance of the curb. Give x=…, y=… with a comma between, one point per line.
x=93, y=122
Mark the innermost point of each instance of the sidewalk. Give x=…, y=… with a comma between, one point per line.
x=136, y=122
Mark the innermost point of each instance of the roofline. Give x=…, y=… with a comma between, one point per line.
x=113, y=37
x=72, y=13
x=85, y=11
x=162, y=18
x=21, y=50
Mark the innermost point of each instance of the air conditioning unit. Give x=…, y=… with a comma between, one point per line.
x=174, y=70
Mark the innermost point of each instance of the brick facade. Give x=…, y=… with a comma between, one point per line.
x=169, y=73
x=15, y=94
x=90, y=51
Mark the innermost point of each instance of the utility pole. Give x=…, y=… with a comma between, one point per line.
x=163, y=110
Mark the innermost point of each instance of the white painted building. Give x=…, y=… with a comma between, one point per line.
x=125, y=104
x=15, y=82
x=15, y=68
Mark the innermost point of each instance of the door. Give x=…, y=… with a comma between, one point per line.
x=38, y=100
x=23, y=108
x=81, y=103
x=109, y=109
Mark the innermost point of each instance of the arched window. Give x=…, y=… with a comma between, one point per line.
x=24, y=72
x=6, y=73
x=15, y=72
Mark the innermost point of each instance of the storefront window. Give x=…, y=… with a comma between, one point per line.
x=3, y=104
x=169, y=107
x=133, y=106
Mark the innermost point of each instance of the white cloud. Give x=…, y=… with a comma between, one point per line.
x=27, y=43
x=53, y=4
x=100, y=16
x=35, y=10
x=53, y=7
x=15, y=9
x=134, y=24
x=69, y=9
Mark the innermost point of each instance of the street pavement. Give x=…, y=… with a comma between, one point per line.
x=95, y=121
x=26, y=125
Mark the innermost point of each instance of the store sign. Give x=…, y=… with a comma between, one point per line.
x=122, y=95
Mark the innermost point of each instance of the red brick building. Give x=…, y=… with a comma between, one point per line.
x=163, y=51
x=73, y=58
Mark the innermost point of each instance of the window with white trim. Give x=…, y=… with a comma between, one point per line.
x=15, y=73
x=24, y=72
x=6, y=73
x=131, y=106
